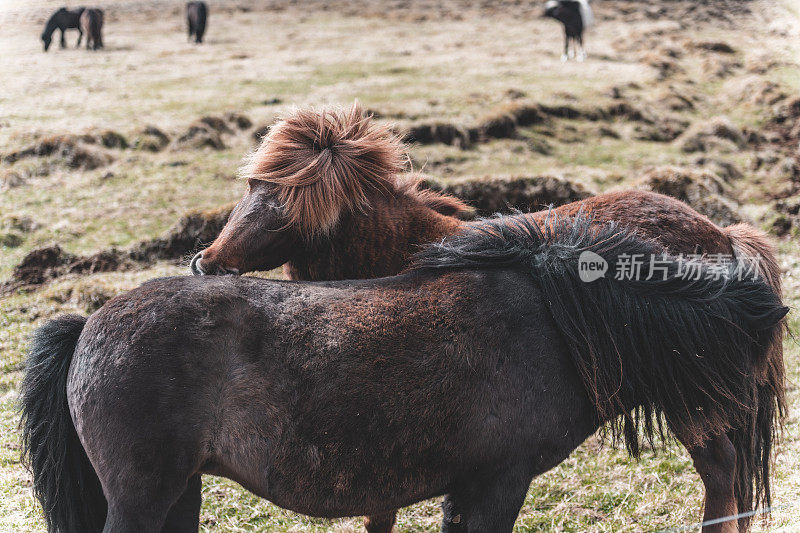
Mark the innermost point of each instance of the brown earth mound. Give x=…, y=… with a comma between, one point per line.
x=718, y=133
x=702, y=190
x=242, y=122
x=192, y=231
x=151, y=139
x=504, y=195
x=11, y=180
x=70, y=150
x=787, y=221
x=439, y=133
x=42, y=264
x=200, y=135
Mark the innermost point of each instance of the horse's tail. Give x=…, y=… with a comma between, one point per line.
x=202, y=16
x=97, y=27
x=587, y=16
x=64, y=481
x=754, y=250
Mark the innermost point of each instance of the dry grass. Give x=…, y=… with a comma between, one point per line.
x=411, y=66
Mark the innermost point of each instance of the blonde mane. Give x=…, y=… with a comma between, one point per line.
x=326, y=161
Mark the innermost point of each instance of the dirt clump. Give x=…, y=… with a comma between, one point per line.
x=217, y=124
x=718, y=133
x=108, y=139
x=151, y=139
x=200, y=135
x=41, y=264
x=702, y=190
x=104, y=261
x=240, y=121
x=722, y=168
x=787, y=221
x=665, y=65
x=438, y=133
x=193, y=230
x=714, y=46
x=502, y=125
x=72, y=151
x=11, y=180
x=503, y=195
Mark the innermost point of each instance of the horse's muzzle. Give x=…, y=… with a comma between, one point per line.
x=199, y=269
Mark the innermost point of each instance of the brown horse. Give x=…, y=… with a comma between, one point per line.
x=325, y=200
x=92, y=25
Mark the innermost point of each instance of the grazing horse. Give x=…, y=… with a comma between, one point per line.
x=325, y=200
x=62, y=19
x=482, y=367
x=196, y=17
x=576, y=16
x=92, y=24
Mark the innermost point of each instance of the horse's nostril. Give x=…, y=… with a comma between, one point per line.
x=195, y=266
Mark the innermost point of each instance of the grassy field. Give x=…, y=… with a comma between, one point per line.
x=410, y=62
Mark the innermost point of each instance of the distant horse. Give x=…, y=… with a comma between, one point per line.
x=484, y=366
x=92, y=24
x=576, y=16
x=196, y=16
x=62, y=19
x=326, y=201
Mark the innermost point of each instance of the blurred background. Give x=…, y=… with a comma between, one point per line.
x=116, y=164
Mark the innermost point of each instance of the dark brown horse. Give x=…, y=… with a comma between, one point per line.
x=63, y=19
x=92, y=24
x=325, y=200
x=196, y=18
x=485, y=365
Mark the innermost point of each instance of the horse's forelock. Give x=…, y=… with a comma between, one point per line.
x=325, y=161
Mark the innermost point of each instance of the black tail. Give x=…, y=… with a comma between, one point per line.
x=688, y=345
x=64, y=481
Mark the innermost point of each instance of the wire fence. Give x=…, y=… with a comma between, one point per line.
x=696, y=526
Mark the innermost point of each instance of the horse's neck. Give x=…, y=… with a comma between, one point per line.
x=377, y=243
x=52, y=25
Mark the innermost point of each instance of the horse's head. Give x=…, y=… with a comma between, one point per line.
x=257, y=236
x=309, y=169
x=47, y=39
x=314, y=170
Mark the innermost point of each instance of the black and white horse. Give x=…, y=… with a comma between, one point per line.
x=576, y=16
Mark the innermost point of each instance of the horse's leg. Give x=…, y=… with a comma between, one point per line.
x=184, y=516
x=565, y=55
x=382, y=523
x=581, y=51
x=152, y=502
x=80, y=37
x=63, y=40
x=715, y=461
x=486, y=504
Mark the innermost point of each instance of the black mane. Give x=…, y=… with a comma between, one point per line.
x=646, y=324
